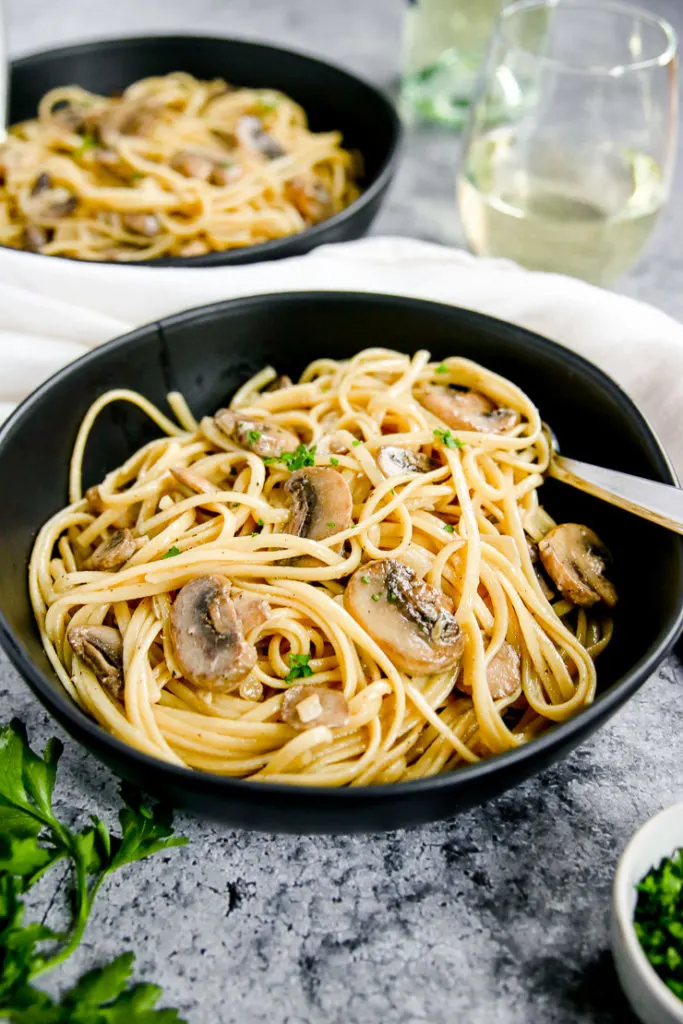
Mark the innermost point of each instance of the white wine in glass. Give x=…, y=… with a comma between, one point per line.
x=568, y=165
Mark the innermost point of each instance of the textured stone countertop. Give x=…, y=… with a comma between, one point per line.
x=500, y=915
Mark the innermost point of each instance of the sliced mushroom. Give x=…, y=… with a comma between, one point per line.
x=68, y=115
x=207, y=635
x=42, y=182
x=114, y=552
x=101, y=648
x=466, y=409
x=48, y=203
x=251, y=134
x=192, y=164
x=541, y=576
x=251, y=610
x=190, y=478
x=411, y=621
x=225, y=172
x=321, y=503
x=34, y=238
x=141, y=224
x=304, y=707
x=259, y=436
x=311, y=198
x=503, y=674
x=283, y=381
x=576, y=561
x=393, y=461
x=126, y=118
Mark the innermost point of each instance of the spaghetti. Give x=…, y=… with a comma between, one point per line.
x=342, y=581
x=173, y=167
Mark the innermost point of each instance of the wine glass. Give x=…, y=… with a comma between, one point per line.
x=570, y=145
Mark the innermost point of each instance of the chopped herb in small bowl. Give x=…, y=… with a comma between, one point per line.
x=658, y=920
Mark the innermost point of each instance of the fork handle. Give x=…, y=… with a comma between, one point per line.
x=660, y=503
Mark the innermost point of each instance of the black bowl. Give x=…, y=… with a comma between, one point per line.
x=332, y=98
x=207, y=353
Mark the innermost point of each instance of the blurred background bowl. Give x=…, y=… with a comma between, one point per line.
x=207, y=353
x=334, y=100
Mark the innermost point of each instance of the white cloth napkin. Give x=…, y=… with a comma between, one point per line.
x=52, y=311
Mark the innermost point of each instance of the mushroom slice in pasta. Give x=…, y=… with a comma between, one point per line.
x=115, y=551
x=311, y=198
x=393, y=460
x=503, y=673
x=465, y=409
x=101, y=649
x=259, y=436
x=208, y=637
x=321, y=503
x=251, y=610
x=251, y=133
x=304, y=707
x=576, y=561
x=411, y=621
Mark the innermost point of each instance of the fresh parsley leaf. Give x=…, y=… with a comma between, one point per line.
x=298, y=667
x=331, y=526
x=442, y=368
x=447, y=438
x=171, y=552
x=449, y=528
x=259, y=522
x=392, y=596
x=658, y=920
x=32, y=840
x=89, y=142
x=392, y=491
x=365, y=579
x=378, y=595
x=333, y=461
x=253, y=436
x=355, y=443
x=298, y=459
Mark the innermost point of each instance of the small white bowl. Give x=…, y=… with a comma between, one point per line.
x=649, y=997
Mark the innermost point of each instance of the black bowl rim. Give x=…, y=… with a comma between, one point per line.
x=264, y=250
x=562, y=734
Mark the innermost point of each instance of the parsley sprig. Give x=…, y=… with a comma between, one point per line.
x=297, y=459
x=298, y=667
x=447, y=438
x=33, y=840
x=658, y=920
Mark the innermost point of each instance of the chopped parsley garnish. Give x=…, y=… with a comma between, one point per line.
x=447, y=438
x=658, y=920
x=354, y=443
x=331, y=526
x=89, y=142
x=136, y=177
x=259, y=522
x=365, y=579
x=333, y=461
x=268, y=103
x=442, y=368
x=392, y=596
x=298, y=459
x=171, y=552
x=449, y=528
x=298, y=667
x=376, y=597
x=392, y=491
x=253, y=436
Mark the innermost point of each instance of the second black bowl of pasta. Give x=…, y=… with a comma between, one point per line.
x=190, y=151
x=323, y=585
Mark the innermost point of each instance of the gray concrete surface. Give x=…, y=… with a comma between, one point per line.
x=500, y=915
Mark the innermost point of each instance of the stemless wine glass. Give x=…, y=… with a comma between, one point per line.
x=570, y=145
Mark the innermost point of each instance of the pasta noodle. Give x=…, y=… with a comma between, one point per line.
x=329, y=583
x=173, y=167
